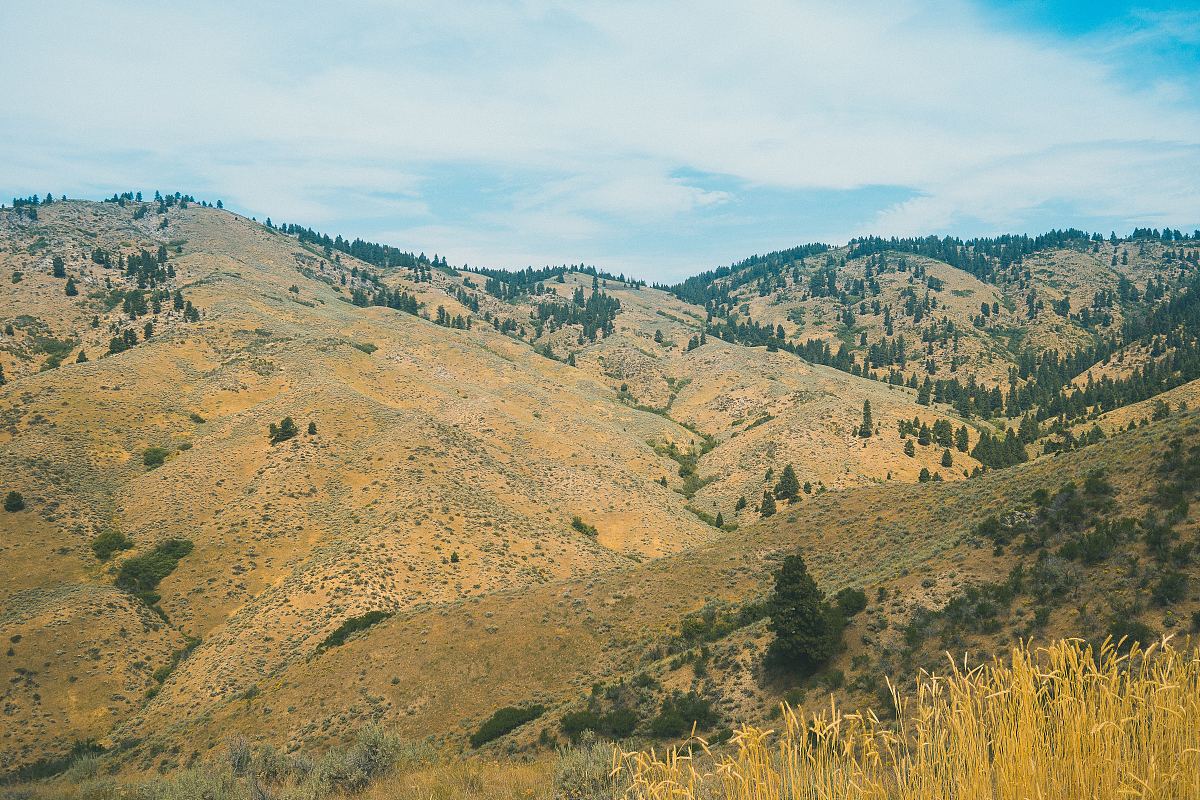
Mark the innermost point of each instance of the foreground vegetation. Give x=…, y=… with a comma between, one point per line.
x=1065, y=721
x=1060, y=722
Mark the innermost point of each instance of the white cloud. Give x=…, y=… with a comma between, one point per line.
x=343, y=114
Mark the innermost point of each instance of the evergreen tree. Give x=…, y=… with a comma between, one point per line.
x=808, y=631
x=865, y=430
x=909, y=449
x=59, y=268
x=282, y=432
x=312, y=429
x=14, y=502
x=961, y=439
x=947, y=459
x=768, y=505
x=720, y=521
x=788, y=485
x=741, y=501
x=71, y=289
x=81, y=358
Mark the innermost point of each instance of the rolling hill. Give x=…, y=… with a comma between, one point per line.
x=284, y=486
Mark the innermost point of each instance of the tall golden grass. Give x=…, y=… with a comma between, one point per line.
x=1064, y=722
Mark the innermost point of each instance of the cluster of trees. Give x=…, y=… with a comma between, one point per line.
x=713, y=288
x=982, y=257
x=381, y=295
x=448, y=320
x=380, y=255
x=596, y=313
x=511, y=284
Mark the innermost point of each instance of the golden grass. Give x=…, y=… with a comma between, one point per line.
x=1062, y=722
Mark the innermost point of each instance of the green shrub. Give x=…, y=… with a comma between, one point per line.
x=851, y=601
x=110, y=542
x=352, y=626
x=286, y=429
x=616, y=724
x=1124, y=627
x=142, y=574
x=14, y=502
x=581, y=526
x=1170, y=588
x=154, y=457
x=505, y=720
x=679, y=713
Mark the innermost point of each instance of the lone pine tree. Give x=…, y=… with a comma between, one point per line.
x=768, y=505
x=788, y=486
x=808, y=630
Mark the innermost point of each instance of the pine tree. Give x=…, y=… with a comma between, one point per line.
x=808, y=631
x=59, y=268
x=768, y=505
x=14, y=502
x=720, y=521
x=81, y=358
x=865, y=430
x=788, y=485
x=312, y=429
x=741, y=501
x=947, y=459
x=961, y=439
x=282, y=432
x=909, y=449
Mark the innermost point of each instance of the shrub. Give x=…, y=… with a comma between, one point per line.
x=154, y=457
x=679, y=713
x=110, y=542
x=851, y=601
x=351, y=626
x=286, y=429
x=1170, y=588
x=142, y=574
x=504, y=721
x=1129, y=631
x=616, y=724
x=585, y=772
x=352, y=770
x=14, y=502
x=581, y=526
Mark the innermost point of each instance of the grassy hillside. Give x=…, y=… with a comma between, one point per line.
x=288, y=492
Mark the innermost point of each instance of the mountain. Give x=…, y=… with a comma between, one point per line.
x=298, y=484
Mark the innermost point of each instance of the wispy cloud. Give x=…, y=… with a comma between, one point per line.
x=556, y=132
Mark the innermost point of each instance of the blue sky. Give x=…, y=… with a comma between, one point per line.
x=656, y=139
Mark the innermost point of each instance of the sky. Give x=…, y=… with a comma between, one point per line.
x=651, y=138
